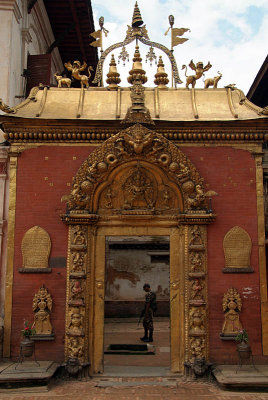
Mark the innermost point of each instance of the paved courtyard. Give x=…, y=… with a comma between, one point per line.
x=182, y=390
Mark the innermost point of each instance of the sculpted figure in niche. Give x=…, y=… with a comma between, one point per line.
x=231, y=306
x=78, y=261
x=197, y=321
x=197, y=346
x=79, y=236
x=77, y=297
x=196, y=262
x=42, y=306
x=196, y=240
x=75, y=348
x=76, y=324
x=196, y=290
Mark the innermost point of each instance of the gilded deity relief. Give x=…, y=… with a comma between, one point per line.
x=197, y=346
x=197, y=321
x=76, y=347
x=196, y=242
x=231, y=305
x=42, y=306
x=197, y=291
x=77, y=292
x=76, y=323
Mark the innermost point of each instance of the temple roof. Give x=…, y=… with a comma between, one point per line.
x=226, y=104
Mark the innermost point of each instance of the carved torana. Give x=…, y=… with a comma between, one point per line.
x=141, y=144
x=42, y=306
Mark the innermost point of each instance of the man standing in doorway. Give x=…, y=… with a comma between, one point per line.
x=148, y=313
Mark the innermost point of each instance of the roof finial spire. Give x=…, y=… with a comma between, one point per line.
x=136, y=19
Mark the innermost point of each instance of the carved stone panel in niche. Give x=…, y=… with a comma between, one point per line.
x=237, y=250
x=36, y=246
x=196, y=291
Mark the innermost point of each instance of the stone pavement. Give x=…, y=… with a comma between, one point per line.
x=184, y=389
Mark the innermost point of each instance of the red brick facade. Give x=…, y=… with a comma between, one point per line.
x=45, y=175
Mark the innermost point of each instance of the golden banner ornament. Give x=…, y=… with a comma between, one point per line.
x=96, y=35
x=175, y=41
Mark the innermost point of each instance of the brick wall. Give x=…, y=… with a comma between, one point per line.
x=45, y=175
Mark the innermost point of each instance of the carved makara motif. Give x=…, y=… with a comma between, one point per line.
x=42, y=306
x=142, y=144
x=231, y=305
x=76, y=325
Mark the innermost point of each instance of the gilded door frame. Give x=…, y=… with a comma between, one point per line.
x=177, y=257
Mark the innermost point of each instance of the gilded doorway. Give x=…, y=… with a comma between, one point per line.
x=132, y=261
x=137, y=184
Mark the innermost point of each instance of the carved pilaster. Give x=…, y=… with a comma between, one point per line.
x=196, y=316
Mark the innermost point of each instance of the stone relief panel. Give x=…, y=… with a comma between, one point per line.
x=36, y=246
x=237, y=250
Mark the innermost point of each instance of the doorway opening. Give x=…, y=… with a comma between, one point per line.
x=132, y=261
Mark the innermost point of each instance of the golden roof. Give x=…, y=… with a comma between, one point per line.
x=166, y=105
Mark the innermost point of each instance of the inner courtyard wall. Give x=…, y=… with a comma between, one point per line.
x=45, y=174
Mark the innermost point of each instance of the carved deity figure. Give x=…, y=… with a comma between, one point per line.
x=78, y=261
x=76, y=325
x=138, y=187
x=231, y=305
x=75, y=348
x=197, y=346
x=76, y=295
x=196, y=239
x=196, y=290
x=79, y=236
x=197, y=321
x=196, y=262
x=42, y=306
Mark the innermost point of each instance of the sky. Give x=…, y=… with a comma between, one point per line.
x=231, y=34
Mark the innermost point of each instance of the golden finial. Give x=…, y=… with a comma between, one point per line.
x=113, y=76
x=136, y=19
x=161, y=79
x=137, y=73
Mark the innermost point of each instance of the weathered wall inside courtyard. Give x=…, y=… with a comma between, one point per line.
x=45, y=175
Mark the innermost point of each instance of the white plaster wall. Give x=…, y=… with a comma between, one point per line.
x=22, y=33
